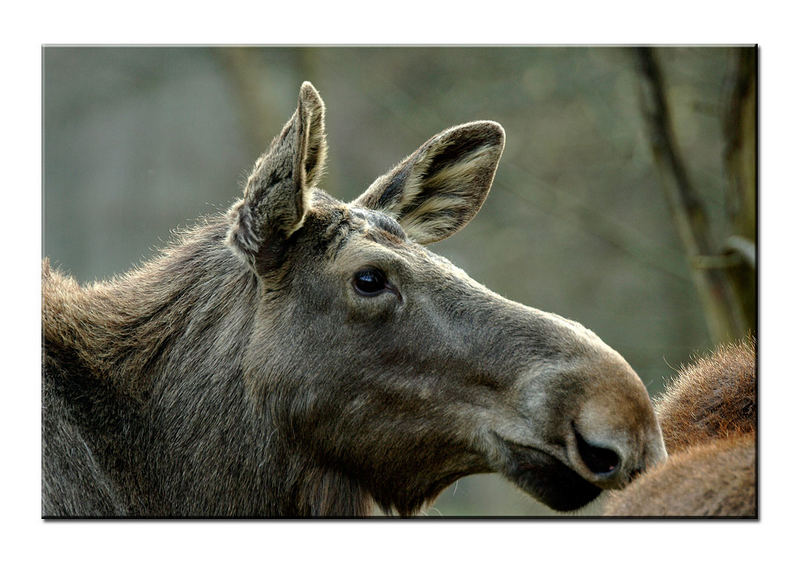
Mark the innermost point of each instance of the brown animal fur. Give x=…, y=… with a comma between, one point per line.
x=708, y=419
x=300, y=356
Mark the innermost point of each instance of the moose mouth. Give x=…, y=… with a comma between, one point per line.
x=546, y=478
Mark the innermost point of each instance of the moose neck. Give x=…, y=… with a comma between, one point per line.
x=190, y=301
x=172, y=336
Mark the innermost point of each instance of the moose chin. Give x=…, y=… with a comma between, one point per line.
x=301, y=356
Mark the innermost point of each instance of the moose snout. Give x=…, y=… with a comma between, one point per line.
x=609, y=465
x=595, y=413
x=604, y=462
x=615, y=437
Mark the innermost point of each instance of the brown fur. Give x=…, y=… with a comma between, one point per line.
x=243, y=372
x=708, y=419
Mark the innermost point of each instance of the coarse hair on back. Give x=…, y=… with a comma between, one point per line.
x=708, y=420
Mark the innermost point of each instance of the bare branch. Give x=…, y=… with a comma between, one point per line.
x=723, y=310
x=742, y=247
x=739, y=124
x=239, y=63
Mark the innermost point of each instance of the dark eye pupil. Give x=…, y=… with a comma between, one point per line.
x=369, y=282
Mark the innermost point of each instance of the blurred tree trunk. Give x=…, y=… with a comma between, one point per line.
x=249, y=75
x=739, y=126
x=714, y=266
x=245, y=71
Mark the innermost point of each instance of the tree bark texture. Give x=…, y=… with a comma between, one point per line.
x=723, y=310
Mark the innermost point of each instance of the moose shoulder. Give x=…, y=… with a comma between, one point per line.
x=302, y=356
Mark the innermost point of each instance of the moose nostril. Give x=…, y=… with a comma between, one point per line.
x=599, y=460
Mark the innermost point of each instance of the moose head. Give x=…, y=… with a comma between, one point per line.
x=394, y=366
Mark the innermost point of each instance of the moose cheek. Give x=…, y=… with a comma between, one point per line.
x=379, y=310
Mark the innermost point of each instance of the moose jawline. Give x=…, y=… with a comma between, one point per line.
x=546, y=478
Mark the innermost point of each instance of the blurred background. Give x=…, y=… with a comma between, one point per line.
x=625, y=198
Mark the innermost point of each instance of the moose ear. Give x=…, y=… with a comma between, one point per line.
x=440, y=187
x=277, y=191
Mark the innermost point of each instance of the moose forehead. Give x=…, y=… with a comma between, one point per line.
x=334, y=223
x=343, y=223
x=379, y=220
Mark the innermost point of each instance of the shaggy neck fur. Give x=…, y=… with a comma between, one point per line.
x=154, y=360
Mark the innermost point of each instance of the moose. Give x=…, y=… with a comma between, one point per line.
x=708, y=419
x=299, y=356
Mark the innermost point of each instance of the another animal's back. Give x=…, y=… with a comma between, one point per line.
x=716, y=479
x=713, y=398
x=708, y=419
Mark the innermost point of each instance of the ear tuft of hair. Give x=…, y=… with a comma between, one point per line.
x=316, y=146
x=277, y=193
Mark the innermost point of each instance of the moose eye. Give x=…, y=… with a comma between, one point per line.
x=369, y=282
